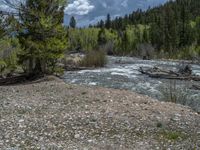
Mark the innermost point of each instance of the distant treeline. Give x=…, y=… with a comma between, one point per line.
x=172, y=28
x=114, y=42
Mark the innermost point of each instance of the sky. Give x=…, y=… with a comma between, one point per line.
x=91, y=11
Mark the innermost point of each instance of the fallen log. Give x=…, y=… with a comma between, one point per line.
x=195, y=87
x=76, y=68
x=167, y=74
x=18, y=79
x=155, y=69
x=12, y=80
x=156, y=72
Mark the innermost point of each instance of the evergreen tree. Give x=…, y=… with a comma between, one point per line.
x=124, y=42
x=145, y=35
x=101, y=25
x=198, y=30
x=72, y=23
x=183, y=24
x=41, y=34
x=156, y=33
x=108, y=22
x=102, y=37
x=2, y=30
x=169, y=30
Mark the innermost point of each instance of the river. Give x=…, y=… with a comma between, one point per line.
x=122, y=73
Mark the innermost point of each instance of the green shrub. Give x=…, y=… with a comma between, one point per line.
x=8, y=55
x=173, y=135
x=2, y=65
x=192, y=52
x=94, y=59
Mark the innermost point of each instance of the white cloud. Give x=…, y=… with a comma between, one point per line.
x=104, y=5
x=4, y=7
x=79, y=7
x=125, y=3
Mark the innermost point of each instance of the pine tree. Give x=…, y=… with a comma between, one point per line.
x=146, y=35
x=156, y=33
x=101, y=24
x=108, y=22
x=2, y=30
x=102, y=37
x=72, y=23
x=124, y=42
x=184, y=24
x=198, y=30
x=170, y=30
x=41, y=34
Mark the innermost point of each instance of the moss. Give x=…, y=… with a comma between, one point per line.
x=173, y=135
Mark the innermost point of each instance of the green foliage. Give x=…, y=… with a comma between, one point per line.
x=94, y=59
x=41, y=35
x=8, y=55
x=173, y=135
x=82, y=39
x=2, y=30
x=197, y=27
x=170, y=28
x=102, y=37
x=3, y=66
x=111, y=41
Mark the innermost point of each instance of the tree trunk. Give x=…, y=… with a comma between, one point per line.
x=30, y=66
x=38, y=67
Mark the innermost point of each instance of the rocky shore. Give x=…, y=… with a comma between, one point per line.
x=54, y=115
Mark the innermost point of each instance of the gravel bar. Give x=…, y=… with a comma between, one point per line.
x=58, y=116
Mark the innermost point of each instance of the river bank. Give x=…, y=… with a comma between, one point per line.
x=52, y=114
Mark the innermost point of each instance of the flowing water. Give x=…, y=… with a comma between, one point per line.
x=122, y=73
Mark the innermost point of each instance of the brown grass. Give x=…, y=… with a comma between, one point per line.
x=94, y=59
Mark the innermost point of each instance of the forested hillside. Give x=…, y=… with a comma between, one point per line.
x=170, y=28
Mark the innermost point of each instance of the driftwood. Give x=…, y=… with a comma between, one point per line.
x=195, y=87
x=19, y=79
x=168, y=74
x=74, y=68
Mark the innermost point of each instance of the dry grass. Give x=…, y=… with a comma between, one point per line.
x=94, y=59
x=172, y=93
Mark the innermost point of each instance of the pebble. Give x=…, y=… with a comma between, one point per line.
x=21, y=120
x=76, y=136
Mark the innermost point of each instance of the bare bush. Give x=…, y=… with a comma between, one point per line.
x=172, y=93
x=185, y=69
x=94, y=59
x=145, y=50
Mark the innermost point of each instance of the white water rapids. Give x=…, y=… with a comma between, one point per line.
x=122, y=73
